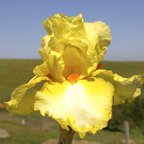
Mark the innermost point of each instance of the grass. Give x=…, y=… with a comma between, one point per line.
x=25, y=135
x=13, y=73
x=39, y=129
x=37, y=132
x=125, y=69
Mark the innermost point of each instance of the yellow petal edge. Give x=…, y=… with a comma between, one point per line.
x=126, y=89
x=22, y=102
x=84, y=106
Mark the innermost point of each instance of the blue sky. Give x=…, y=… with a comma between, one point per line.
x=21, y=27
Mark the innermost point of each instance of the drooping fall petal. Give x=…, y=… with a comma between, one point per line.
x=21, y=101
x=85, y=106
x=126, y=89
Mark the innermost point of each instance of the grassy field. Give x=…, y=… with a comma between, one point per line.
x=40, y=129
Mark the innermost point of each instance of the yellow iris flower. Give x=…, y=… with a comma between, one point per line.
x=74, y=91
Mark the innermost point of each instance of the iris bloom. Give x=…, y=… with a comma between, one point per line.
x=74, y=91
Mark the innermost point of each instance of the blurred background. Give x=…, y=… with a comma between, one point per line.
x=21, y=31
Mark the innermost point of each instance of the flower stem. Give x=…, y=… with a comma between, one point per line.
x=66, y=137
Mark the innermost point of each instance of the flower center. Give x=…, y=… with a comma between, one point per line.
x=73, y=78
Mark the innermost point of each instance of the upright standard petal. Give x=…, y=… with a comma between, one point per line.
x=100, y=37
x=44, y=51
x=75, y=62
x=126, y=89
x=60, y=25
x=65, y=31
x=85, y=106
x=52, y=67
x=68, y=35
x=22, y=101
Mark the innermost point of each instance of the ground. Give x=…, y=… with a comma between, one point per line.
x=35, y=129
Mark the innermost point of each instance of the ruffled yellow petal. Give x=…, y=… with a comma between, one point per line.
x=60, y=25
x=87, y=42
x=126, y=89
x=68, y=37
x=66, y=32
x=53, y=66
x=85, y=106
x=100, y=37
x=22, y=100
x=44, y=51
x=75, y=62
x=42, y=70
x=45, y=41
